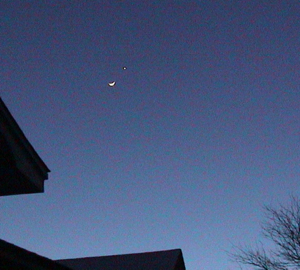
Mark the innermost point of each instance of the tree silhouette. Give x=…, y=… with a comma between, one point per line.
x=282, y=227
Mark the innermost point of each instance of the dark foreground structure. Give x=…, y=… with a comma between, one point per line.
x=15, y=258
x=22, y=171
x=158, y=260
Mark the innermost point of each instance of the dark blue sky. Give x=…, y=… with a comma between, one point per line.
x=200, y=131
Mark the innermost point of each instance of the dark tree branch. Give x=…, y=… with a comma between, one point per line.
x=282, y=226
x=257, y=258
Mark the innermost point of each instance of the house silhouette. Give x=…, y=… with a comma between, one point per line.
x=22, y=171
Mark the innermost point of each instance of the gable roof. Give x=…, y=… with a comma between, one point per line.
x=22, y=170
x=13, y=257
x=158, y=260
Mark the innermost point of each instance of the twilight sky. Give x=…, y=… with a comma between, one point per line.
x=200, y=131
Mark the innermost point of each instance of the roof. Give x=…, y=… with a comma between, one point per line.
x=13, y=257
x=25, y=171
x=158, y=260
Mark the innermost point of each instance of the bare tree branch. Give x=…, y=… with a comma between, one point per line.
x=282, y=226
x=257, y=258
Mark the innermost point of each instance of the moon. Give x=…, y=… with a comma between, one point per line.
x=111, y=84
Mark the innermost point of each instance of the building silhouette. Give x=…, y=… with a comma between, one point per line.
x=22, y=171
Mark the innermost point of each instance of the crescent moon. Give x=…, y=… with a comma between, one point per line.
x=111, y=84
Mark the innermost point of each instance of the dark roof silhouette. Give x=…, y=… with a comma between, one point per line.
x=158, y=260
x=13, y=257
x=22, y=171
